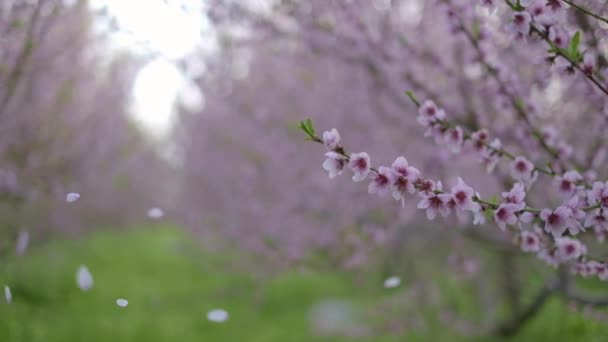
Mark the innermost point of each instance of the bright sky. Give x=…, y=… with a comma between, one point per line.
x=171, y=28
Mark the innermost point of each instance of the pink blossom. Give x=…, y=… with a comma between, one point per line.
x=334, y=164
x=557, y=5
x=490, y=158
x=360, y=164
x=382, y=181
x=599, y=194
x=576, y=216
x=405, y=178
x=454, y=138
x=479, y=214
x=602, y=271
x=529, y=241
x=556, y=221
x=435, y=203
x=522, y=169
x=516, y=195
x=585, y=269
x=526, y=217
x=521, y=22
x=489, y=4
x=542, y=15
x=598, y=219
x=331, y=139
x=480, y=139
x=558, y=37
x=589, y=61
x=505, y=215
x=569, y=249
x=429, y=113
x=566, y=183
x=462, y=194
x=549, y=256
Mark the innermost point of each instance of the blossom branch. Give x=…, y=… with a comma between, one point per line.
x=521, y=112
x=586, y=11
x=573, y=56
x=401, y=178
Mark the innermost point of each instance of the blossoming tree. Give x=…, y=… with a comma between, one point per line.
x=501, y=81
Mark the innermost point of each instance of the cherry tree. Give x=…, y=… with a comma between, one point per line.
x=500, y=82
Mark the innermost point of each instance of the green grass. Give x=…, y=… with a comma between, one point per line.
x=171, y=284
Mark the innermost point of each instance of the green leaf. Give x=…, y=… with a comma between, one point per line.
x=308, y=128
x=412, y=97
x=573, y=47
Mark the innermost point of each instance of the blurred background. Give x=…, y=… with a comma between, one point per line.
x=199, y=202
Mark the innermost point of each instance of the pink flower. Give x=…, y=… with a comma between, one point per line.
x=405, y=178
x=589, y=63
x=598, y=219
x=334, y=164
x=526, y=217
x=577, y=215
x=584, y=269
x=569, y=249
x=556, y=221
x=435, y=203
x=489, y=4
x=558, y=37
x=549, y=256
x=516, y=195
x=521, y=22
x=331, y=139
x=462, y=194
x=599, y=194
x=479, y=140
x=382, y=181
x=429, y=113
x=505, y=215
x=425, y=186
x=529, y=241
x=360, y=164
x=602, y=271
x=567, y=182
x=479, y=213
x=541, y=14
x=490, y=158
x=522, y=169
x=557, y=5
x=454, y=138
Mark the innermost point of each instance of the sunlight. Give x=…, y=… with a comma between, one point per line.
x=169, y=28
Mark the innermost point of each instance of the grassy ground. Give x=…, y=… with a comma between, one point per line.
x=171, y=284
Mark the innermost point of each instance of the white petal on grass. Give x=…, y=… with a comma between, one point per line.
x=7, y=294
x=22, y=242
x=122, y=302
x=392, y=282
x=84, y=279
x=217, y=315
x=72, y=197
x=155, y=213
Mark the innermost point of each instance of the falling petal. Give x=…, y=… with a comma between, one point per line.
x=72, y=197
x=155, y=213
x=217, y=315
x=22, y=242
x=392, y=282
x=122, y=302
x=84, y=279
x=7, y=294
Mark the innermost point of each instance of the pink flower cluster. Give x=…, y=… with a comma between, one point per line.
x=548, y=232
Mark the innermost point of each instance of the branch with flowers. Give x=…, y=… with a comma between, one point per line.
x=555, y=244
